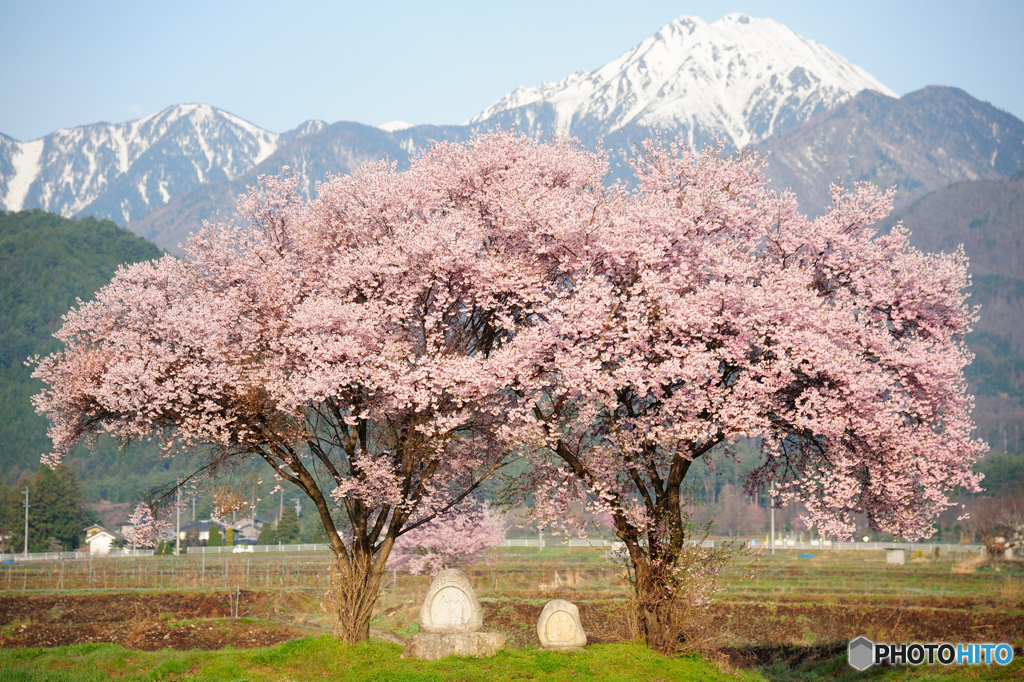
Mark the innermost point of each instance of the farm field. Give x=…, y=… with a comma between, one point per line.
x=204, y=618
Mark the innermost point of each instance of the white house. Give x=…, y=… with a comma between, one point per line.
x=99, y=539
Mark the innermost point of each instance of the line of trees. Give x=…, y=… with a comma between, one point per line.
x=286, y=531
x=57, y=514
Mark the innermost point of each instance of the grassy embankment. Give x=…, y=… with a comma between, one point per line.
x=324, y=658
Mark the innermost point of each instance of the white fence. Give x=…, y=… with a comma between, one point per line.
x=577, y=542
x=525, y=542
x=780, y=544
x=20, y=557
x=572, y=542
x=926, y=547
x=247, y=549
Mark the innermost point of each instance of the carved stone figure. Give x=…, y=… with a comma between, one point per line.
x=559, y=626
x=450, y=622
x=451, y=605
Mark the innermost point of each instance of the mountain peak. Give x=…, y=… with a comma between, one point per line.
x=395, y=126
x=310, y=127
x=738, y=79
x=735, y=18
x=124, y=170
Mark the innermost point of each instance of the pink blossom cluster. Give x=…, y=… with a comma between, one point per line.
x=146, y=530
x=457, y=538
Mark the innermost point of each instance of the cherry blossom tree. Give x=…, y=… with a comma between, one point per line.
x=702, y=308
x=146, y=530
x=457, y=538
x=736, y=513
x=999, y=522
x=356, y=343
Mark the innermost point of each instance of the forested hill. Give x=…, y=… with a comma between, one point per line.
x=986, y=216
x=46, y=263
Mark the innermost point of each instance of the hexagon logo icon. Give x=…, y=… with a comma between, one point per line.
x=861, y=653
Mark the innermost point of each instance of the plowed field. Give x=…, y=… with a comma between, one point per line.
x=148, y=621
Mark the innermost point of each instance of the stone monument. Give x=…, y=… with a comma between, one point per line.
x=450, y=622
x=559, y=626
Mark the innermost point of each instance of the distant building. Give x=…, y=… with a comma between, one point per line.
x=100, y=540
x=203, y=528
x=247, y=530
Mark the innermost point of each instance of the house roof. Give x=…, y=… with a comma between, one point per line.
x=202, y=526
x=96, y=530
x=101, y=533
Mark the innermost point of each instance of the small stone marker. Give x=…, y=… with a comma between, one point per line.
x=559, y=626
x=895, y=556
x=450, y=622
x=451, y=605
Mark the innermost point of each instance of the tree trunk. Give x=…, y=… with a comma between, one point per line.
x=661, y=616
x=353, y=594
x=662, y=613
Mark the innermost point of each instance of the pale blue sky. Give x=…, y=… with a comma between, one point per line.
x=277, y=64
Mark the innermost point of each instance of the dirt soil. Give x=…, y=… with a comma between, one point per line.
x=204, y=620
x=762, y=624
x=746, y=624
x=790, y=656
x=150, y=621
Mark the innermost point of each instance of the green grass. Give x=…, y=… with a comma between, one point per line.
x=866, y=577
x=325, y=658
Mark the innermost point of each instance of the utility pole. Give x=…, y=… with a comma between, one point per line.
x=771, y=498
x=177, y=522
x=298, y=512
x=26, y=520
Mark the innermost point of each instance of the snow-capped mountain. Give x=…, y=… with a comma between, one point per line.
x=739, y=79
x=124, y=171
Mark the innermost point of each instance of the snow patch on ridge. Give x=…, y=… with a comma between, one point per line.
x=395, y=126
x=267, y=141
x=26, y=162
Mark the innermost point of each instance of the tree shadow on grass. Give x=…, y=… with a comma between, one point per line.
x=791, y=662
